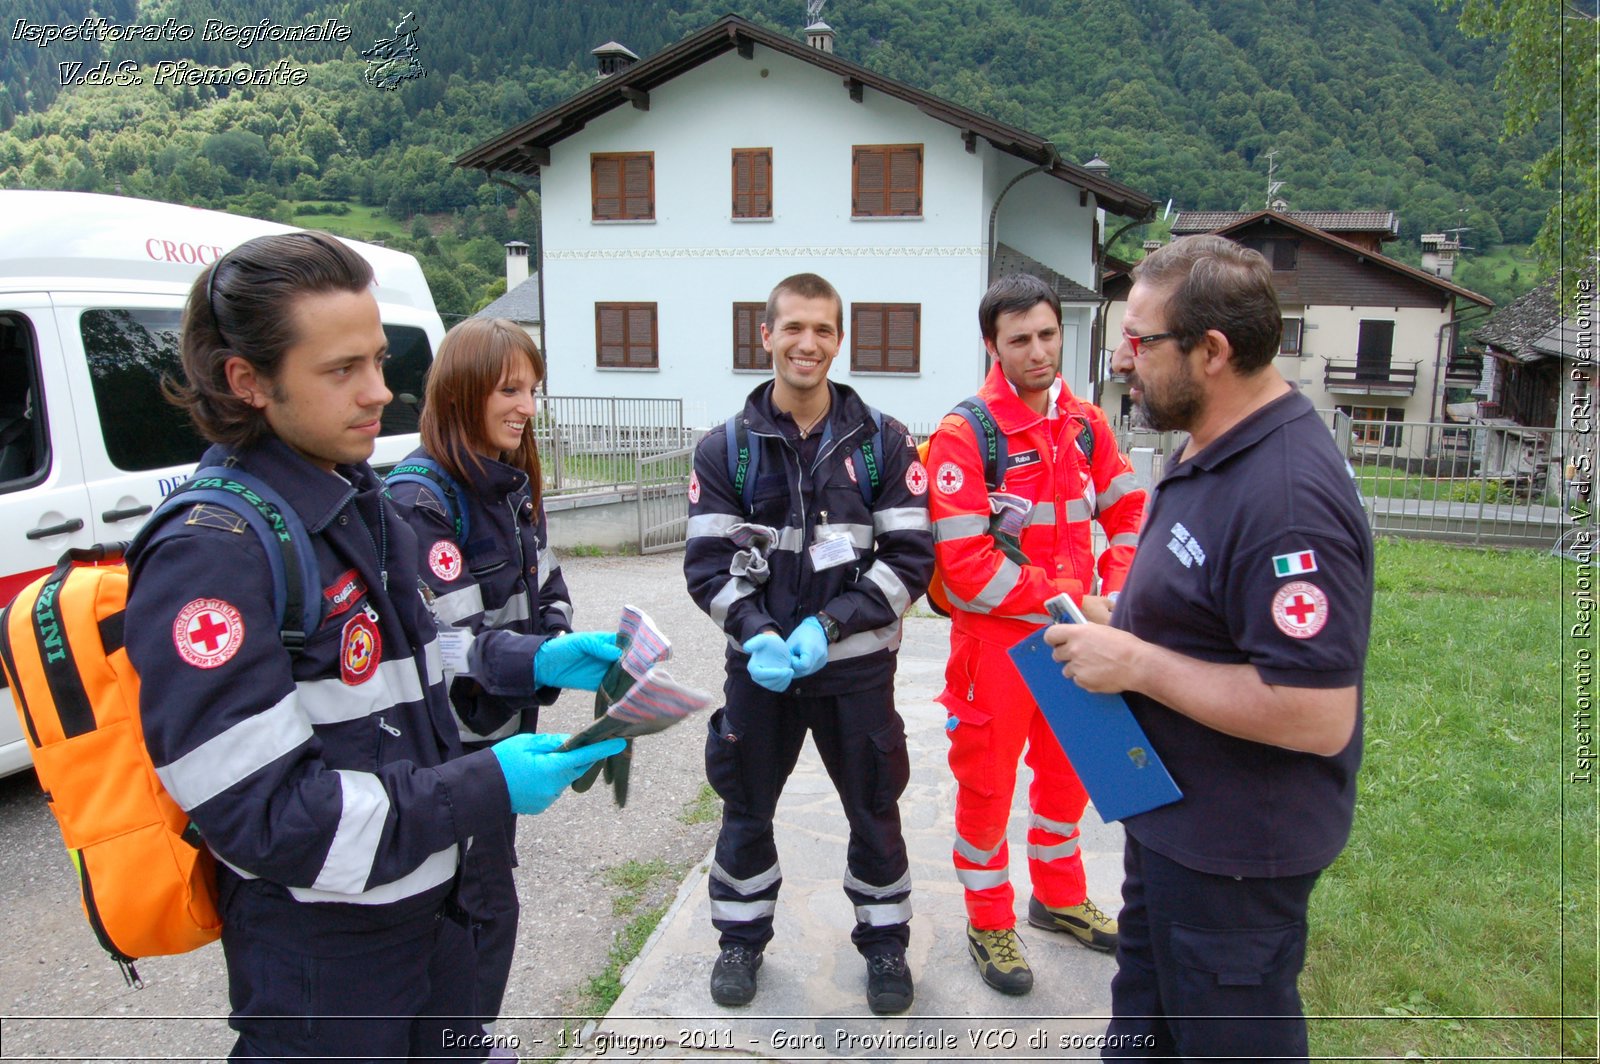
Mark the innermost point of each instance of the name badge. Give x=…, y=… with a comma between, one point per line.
x=831, y=551
x=454, y=644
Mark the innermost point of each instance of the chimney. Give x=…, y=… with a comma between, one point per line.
x=1097, y=165
x=1439, y=254
x=819, y=35
x=516, y=264
x=612, y=57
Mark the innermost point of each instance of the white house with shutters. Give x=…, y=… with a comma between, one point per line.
x=678, y=189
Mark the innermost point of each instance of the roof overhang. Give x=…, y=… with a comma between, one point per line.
x=525, y=148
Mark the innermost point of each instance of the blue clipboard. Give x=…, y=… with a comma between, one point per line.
x=1118, y=767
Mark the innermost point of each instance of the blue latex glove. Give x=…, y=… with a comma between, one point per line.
x=536, y=773
x=769, y=661
x=576, y=660
x=808, y=647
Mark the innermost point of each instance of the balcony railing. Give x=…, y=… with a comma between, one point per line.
x=1353, y=377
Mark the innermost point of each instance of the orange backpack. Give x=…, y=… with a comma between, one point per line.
x=147, y=879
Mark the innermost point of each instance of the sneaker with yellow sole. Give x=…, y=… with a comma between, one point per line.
x=1083, y=921
x=1000, y=960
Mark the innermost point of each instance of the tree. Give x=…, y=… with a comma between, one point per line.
x=1550, y=74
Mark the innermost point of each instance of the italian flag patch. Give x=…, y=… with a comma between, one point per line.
x=1304, y=561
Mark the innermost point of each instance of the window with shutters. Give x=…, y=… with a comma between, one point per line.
x=747, y=350
x=885, y=338
x=625, y=336
x=886, y=181
x=752, y=182
x=1291, y=336
x=622, y=186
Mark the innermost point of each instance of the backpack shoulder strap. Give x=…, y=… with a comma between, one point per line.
x=991, y=441
x=431, y=474
x=1086, y=441
x=744, y=459
x=296, y=594
x=868, y=459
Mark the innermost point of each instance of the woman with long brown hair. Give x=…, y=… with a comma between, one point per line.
x=472, y=494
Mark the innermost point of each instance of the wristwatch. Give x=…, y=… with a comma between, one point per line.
x=830, y=627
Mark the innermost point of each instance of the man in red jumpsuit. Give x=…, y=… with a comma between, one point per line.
x=1063, y=469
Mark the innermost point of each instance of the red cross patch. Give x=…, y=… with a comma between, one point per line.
x=949, y=478
x=208, y=632
x=444, y=558
x=361, y=648
x=694, y=487
x=917, y=478
x=1299, y=609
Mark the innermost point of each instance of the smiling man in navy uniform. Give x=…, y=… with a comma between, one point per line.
x=1240, y=639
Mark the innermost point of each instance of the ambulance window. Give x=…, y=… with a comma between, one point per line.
x=24, y=444
x=405, y=373
x=129, y=352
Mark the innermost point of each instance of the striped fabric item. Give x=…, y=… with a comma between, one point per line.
x=647, y=647
x=655, y=702
x=1013, y=511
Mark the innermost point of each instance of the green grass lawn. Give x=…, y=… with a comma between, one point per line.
x=362, y=223
x=1462, y=918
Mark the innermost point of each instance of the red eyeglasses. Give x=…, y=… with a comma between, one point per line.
x=1134, y=342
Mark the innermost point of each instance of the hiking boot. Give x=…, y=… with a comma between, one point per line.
x=889, y=987
x=1000, y=959
x=1083, y=921
x=733, y=977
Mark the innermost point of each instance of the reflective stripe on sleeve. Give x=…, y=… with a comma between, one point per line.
x=439, y=868
x=734, y=590
x=889, y=582
x=236, y=754
x=1124, y=539
x=712, y=526
x=1120, y=485
x=363, y=808
x=959, y=526
x=900, y=519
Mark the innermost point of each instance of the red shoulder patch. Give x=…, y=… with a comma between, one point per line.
x=208, y=632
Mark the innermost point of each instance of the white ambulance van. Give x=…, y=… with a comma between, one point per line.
x=91, y=295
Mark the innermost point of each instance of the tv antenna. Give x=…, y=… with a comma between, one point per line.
x=814, y=11
x=1272, y=186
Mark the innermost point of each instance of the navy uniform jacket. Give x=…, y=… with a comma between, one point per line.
x=334, y=777
x=510, y=592
x=893, y=541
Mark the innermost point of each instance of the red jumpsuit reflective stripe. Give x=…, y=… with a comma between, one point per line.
x=997, y=603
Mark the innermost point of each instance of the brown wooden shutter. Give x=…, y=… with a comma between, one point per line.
x=639, y=186
x=752, y=182
x=625, y=335
x=886, y=338
x=622, y=186
x=610, y=332
x=902, y=329
x=886, y=180
x=605, y=186
x=905, y=180
x=747, y=350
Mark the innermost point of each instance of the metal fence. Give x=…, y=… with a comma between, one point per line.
x=661, y=489
x=1490, y=485
x=587, y=443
